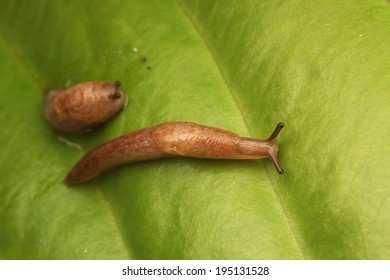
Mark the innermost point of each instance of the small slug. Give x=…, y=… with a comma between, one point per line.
x=173, y=139
x=84, y=106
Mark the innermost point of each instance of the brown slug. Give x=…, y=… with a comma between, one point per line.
x=84, y=106
x=173, y=139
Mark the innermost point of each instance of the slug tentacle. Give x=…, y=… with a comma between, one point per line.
x=273, y=156
x=173, y=139
x=276, y=132
x=275, y=160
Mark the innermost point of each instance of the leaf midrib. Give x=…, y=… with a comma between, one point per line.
x=281, y=206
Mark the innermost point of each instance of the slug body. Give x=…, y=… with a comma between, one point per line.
x=173, y=139
x=84, y=106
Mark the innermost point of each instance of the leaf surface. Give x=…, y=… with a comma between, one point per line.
x=323, y=68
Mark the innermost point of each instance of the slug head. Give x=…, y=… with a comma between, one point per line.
x=104, y=101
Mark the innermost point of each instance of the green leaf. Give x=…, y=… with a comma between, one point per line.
x=322, y=67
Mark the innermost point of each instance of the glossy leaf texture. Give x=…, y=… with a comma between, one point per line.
x=322, y=67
